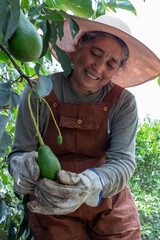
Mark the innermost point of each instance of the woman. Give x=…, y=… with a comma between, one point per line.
x=98, y=122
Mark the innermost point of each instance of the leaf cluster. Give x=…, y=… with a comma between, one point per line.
x=146, y=179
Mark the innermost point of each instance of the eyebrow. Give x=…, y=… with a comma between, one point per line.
x=101, y=50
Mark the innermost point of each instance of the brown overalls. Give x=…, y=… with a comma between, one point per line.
x=84, y=130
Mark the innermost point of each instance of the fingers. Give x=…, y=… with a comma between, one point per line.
x=54, y=195
x=73, y=179
x=20, y=189
x=56, y=201
x=68, y=178
x=48, y=200
x=53, y=189
x=37, y=207
x=32, y=166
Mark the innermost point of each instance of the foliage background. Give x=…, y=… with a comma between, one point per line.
x=145, y=182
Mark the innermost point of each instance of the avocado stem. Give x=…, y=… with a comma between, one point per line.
x=59, y=132
x=38, y=113
x=33, y=118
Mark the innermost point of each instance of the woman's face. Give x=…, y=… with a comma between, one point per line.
x=95, y=64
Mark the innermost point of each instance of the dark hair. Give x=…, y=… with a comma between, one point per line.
x=92, y=35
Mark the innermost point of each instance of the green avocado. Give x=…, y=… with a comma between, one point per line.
x=48, y=162
x=25, y=43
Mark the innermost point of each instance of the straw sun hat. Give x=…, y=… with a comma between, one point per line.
x=142, y=65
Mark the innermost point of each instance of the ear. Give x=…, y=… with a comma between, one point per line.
x=77, y=45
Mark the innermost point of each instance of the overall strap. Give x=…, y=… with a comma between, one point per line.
x=112, y=96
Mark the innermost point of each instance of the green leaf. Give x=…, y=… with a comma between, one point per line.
x=8, y=198
x=4, y=179
x=81, y=8
x=23, y=226
x=53, y=15
x=3, y=208
x=13, y=19
x=20, y=197
x=48, y=56
x=127, y=5
x=29, y=235
x=44, y=86
x=26, y=67
x=60, y=26
x=12, y=230
x=100, y=9
x=3, y=122
x=5, y=142
x=3, y=57
x=14, y=99
x=159, y=81
x=64, y=61
x=53, y=29
x=37, y=68
x=5, y=91
x=73, y=27
x=3, y=13
x=24, y=3
x=46, y=37
x=35, y=11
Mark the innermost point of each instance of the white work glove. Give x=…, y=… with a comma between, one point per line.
x=25, y=172
x=68, y=194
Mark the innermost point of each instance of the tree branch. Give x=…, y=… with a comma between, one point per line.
x=16, y=66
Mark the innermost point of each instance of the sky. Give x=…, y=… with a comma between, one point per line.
x=146, y=27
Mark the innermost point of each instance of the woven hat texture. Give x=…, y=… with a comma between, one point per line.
x=142, y=65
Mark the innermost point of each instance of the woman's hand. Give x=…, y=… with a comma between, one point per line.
x=25, y=172
x=67, y=194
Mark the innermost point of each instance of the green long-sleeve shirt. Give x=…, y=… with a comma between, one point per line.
x=122, y=126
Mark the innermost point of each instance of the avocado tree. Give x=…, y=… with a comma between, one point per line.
x=24, y=57
x=146, y=179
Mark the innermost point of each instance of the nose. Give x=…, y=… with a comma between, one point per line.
x=99, y=64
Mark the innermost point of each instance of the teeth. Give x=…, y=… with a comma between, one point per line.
x=91, y=76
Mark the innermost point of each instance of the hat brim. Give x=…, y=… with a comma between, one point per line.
x=142, y=65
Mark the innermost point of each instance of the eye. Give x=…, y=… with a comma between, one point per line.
x=95, y=52
x=110, y=66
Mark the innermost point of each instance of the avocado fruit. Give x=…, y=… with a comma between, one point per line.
x=48, y=162
x=25, y=43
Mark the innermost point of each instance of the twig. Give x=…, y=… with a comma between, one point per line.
x=17, y=67
x=19, y=79
x=3, y=77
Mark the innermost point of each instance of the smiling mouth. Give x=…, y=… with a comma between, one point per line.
x=91, y=76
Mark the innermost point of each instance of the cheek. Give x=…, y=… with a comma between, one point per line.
x=82, y=60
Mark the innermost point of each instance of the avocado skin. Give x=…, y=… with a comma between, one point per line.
x=25, y=43
x=48, y=162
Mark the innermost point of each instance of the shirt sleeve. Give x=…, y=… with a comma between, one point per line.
x=120, y=157
x=25, y=139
